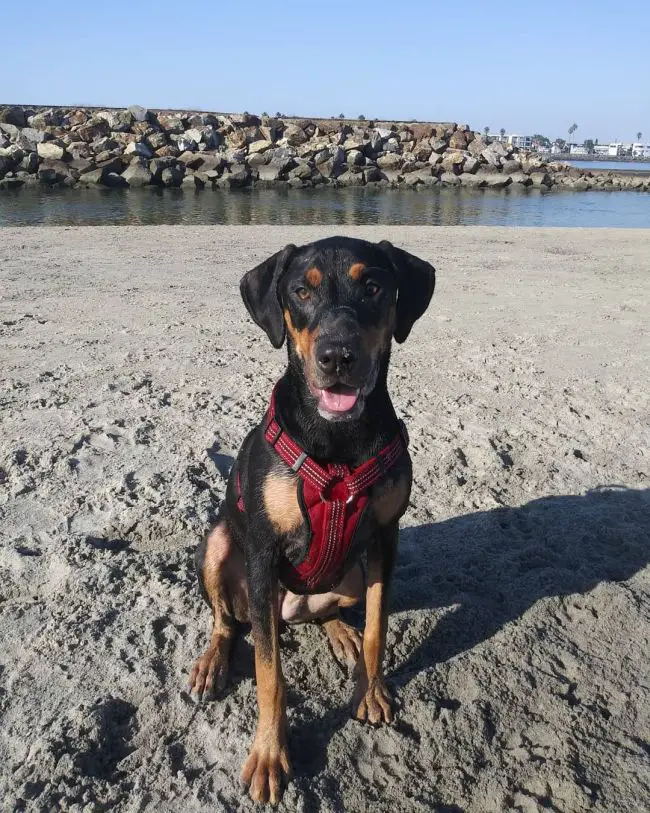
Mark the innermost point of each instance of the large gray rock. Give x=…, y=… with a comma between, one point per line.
x=93, y=129
x=183, y=142
x=103, y=144
x=114, y=180
x=294, y=135
x=192, y=160
x=390, y=161
x=438, y=145
x=172, y=176
x=10, y=130
x=510, y=165
x=138, y=113
x=138, y=148
x=351, y=179
x=449, y=179
x=119, y=121
x=496, y=180
x=262, y=145
x=238, y=176
x=34, y=136
x=46, y=118
x=453, y=162
x=270, y=173
x=541, y=179
x=156, y=140
x=80, y=166
x=520, y=179
x=54, y=172
x=13, y=115
x=472, y=181
x=372, y=174
x=212, y=161
x=258, y=159
x=50, y=150
x=13, y=152
x=30, y=162
x=302, y=170
x=11, y=183
x=476, y=146
x=91, y=178
x=494, y=154
x=137, y=174
x=355, y=158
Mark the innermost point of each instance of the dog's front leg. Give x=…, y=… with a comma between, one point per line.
x=372, y=701
x=268, y=761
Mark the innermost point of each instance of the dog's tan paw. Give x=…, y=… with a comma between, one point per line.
x=266, y=770
x=209, y=673
x=344, y=640
x=372, y=702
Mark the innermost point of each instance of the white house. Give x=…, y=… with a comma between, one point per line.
x=578, y=149
x=615, y=149
x=521, y=141
x=601, y=149
x=640, y=150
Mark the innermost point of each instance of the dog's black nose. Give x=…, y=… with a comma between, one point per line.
x=336, y=358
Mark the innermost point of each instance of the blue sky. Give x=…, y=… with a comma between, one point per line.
x=528, y=67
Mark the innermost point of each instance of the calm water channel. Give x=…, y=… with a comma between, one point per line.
x=435, y=207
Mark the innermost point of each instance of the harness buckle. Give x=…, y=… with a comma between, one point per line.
x=299, y=461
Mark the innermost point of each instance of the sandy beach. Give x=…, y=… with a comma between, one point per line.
x=519, y=639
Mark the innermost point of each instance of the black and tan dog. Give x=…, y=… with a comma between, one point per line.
x=320, y=485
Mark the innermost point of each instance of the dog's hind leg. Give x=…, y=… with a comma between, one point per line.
x=220, y=569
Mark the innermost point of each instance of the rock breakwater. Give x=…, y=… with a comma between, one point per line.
x=136, y=147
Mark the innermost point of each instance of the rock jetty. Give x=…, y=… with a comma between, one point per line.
x=136, y=147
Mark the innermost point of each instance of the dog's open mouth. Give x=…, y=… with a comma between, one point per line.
x=337, y=399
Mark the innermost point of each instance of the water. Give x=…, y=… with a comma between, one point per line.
x=433, y=207
x=638, y=167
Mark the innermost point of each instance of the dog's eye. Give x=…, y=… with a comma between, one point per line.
x=371, y=289
x=302, y=293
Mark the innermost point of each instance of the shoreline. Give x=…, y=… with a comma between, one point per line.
x=136, y=147
x=130, y=374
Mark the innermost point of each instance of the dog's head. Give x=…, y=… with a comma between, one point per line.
x=339, y=302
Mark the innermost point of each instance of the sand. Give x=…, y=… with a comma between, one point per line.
x=518, y=644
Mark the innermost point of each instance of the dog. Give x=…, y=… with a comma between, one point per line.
x=319, y=486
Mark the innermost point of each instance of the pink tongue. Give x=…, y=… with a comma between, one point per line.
x=337, y=401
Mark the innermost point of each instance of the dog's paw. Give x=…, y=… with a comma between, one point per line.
x=209, y=673
x=372, y=702
x=344, y=640
x=266, y=769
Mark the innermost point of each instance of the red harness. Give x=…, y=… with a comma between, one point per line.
x=334, y=499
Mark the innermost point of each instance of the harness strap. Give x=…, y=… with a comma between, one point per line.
x=334, y=496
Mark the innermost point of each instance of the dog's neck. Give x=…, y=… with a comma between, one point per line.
x=348, y=441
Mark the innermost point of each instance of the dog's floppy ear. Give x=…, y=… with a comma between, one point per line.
x=259, y=290
x=416, y=280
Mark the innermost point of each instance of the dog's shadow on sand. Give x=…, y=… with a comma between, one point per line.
x=488, y=568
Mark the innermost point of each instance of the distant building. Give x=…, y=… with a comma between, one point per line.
x=615, y=149
x=578, y=149
x=640, y=150
x=601, y=149
x=515, y=140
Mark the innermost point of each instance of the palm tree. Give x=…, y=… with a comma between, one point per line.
x=502, y=131
x=572, y=130
x=639, y=136
x=486, y=130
